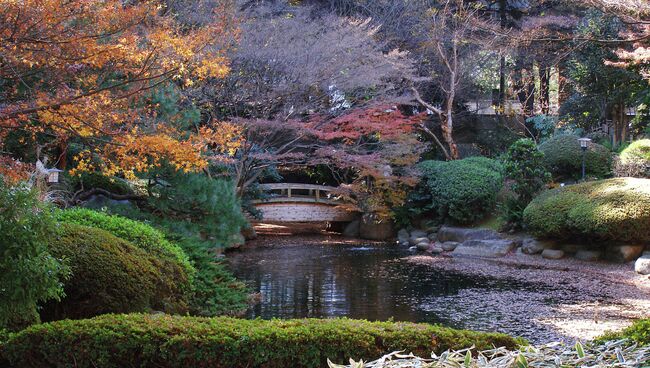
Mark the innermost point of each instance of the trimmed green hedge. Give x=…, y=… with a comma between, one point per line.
x=639, y=332
x=111, y=275
x=166, y=341
x=563, y=158
x=613, y=209
x=463, y=191
x=138, y=233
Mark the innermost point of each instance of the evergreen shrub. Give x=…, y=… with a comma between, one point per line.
x=463, y=191
x=607, y=210
x=563, y=158
x=167, y=341
x=111, y=275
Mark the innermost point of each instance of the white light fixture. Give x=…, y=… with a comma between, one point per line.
x=53, y=175
x=584, y=142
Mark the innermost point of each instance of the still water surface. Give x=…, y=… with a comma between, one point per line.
x=374, y=283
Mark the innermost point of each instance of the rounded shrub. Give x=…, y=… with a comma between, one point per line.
x=613, y=209
x=136, y=232
x=563, y=158
x=111, y=275
x=635, y=160
x=463, y=191
x=165, y=341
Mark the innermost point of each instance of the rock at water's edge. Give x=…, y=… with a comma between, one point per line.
x=484, y=248
x=352, y=229
x=642, y=265
x=588, y=255
x=553, y=254
x=461, y=234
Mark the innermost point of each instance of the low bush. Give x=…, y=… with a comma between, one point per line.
x=638, y=332
x=29, y=274
x=634, y=160
x=111, y=275
x=166, y=341
x=563, y=158
x=463, y=191
x=526, y=177
x=215, y=290
x=613, y=209
x=138, y=233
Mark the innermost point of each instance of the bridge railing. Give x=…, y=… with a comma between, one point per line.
x=296, y=192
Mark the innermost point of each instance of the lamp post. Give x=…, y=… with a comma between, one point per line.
x=584, y=143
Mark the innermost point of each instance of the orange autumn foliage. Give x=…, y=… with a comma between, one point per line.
x=79, y=70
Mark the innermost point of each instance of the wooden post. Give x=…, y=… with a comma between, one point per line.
x=317, y=195
x=289, y=192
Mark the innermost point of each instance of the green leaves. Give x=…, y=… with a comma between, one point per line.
x=463, y=191
x=29, y=275
x=172, y=341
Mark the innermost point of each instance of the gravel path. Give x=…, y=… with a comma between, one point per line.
x=575, y=299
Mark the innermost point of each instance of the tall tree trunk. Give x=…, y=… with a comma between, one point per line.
x=525, y=86
x=544, y=85
x=503, y=15
x=565, y=89
x=446, y=126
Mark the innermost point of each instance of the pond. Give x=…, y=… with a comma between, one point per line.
x=376, y=283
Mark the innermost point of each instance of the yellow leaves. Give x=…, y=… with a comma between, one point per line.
x=94, y=63
x=223, y=138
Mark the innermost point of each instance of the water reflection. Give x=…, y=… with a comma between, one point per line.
x=359, y=282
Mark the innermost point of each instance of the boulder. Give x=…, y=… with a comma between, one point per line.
x=433, y=236
x=534, y=246
x=461, y=234
x=572, y=248
x=449, y=246
x=484, y=248
x=423, y=246
x=375, y=231
x=624, y=253
x=352, y=229
x=553, y=253
x=588, y=255
x=642, y=265
x=435, y=250
x=418, y=233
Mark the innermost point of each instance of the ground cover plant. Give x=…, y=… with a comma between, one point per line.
x=608, y=354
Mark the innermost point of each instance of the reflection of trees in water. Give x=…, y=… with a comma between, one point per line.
x=334, y=281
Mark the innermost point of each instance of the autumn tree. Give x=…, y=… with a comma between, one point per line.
x=79, y=71
x=292, y=60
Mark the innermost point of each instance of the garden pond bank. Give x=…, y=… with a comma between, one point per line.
x=528, y=296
